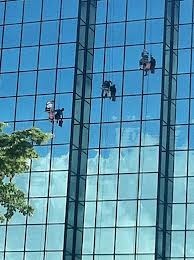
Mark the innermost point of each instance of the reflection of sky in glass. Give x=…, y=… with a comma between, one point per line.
x=119, y=141
x=29, y=78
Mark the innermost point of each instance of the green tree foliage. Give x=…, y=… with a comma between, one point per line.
x=16, y=151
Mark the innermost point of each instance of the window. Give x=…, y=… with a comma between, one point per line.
x=104, y=234
x=27, y=83
x=46, y=81
x=32, y=10
x=66, y=55
x=109, y=161
x=30, y=34
x=113, y=30
x=10, y=60
x=12, y=35
x=15, y=243
x=132, y=36
x=51, y=9
x=99, y=35
x=29, y=58
x=134, y=103
x=125, y=240
x=116, y=10
x=70, y=8
x=55, y=237
x=35, y=237
x=128, y=186
x=40, y=207
x=110, y=135
x=68, y=30
x=8, y=84
x=13, y=12
x=7, y=105
x=25, y=108
x=134, y=12
x=2, y=9
x=114, y=59
x=49, y=32
x=48, y=57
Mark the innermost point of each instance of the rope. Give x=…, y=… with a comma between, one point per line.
x=143, y=159
x=59, y=76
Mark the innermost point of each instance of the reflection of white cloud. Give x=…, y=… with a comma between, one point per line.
x=130, y=136
x=127, y=210
x=114, y=118
x=41, y=164
x=57, y=163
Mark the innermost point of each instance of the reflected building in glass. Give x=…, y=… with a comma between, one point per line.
x=117, y=180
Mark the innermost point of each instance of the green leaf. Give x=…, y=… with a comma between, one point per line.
x=16, y=151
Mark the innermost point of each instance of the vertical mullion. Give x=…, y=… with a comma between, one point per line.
x=189, y=132
x=72, y=130
x=89, y=126
x=81, y=129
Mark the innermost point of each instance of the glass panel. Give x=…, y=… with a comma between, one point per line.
x=14, y=11
x=125, y=240
x=55, y=237
x=15, y=243
x=8, y=113
x=104, y=234
x=105, y=214
x=127, y=211
x=40, y=207
x=30, y=34
x=35, y=237
x=14, y=256
x=34, y=255
x=146, y=240
x=26, y=55
x=27, y=83
x=107, y=186
x=58, y=183
x=25, y=108
x=68, y=31
x=10, y=59
x=32, y=10
x=39, y=182
x=8, y=84
x=49, y=32
x=48, y=57
x=12, y=35
x=128, y=186
x=53, y=255
x=126, y=165
x=109, y=161
x=56, y=210
x=51, y=10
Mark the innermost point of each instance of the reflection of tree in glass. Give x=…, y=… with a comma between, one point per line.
x=16, y=150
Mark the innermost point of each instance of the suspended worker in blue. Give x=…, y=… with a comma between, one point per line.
x=54, y=115
x=152, y=64
x=109, y=90
x=146, y=64
x=59, y=116
x=113, y=91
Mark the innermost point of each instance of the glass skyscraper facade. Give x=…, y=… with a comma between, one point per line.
x=116, y=182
